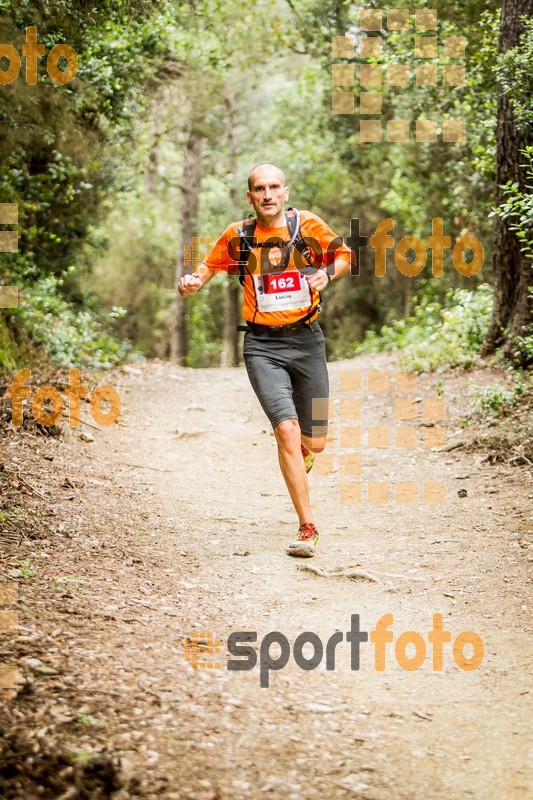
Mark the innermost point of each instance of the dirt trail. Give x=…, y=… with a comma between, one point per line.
x=176, y=521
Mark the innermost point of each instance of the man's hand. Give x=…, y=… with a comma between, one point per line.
x=189, y=284
x=319, y=280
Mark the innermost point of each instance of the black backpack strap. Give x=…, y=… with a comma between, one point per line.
x=293, y=220
x=246, y=245
x=299, y=243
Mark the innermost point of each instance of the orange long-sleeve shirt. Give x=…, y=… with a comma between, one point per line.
x=270, y=297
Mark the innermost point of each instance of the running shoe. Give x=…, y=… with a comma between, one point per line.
x=309, y=458
x=305, y=545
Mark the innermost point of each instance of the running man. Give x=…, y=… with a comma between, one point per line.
x=284, y=348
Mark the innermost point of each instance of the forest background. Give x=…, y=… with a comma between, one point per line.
x=150, y=145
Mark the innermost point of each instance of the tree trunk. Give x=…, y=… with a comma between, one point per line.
x=190, y=195
x=512, y=307
x=150, y=174
x=407, y=286
x=230, y=347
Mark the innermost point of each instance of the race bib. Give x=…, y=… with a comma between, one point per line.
x=285, y=292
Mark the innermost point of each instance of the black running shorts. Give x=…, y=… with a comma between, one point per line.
x=287, y=371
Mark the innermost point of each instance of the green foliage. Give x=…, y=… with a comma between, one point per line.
x=498, y=401
x=133, y=258
x=9, y=352
x=411, y=182
x=518, y=206
x=523, y=342
x=524, y=347
x=515, y=73
x=25, y=572
x=86, y=719
x=70, y=336
x=62, y=151
x=205, y=335
x=80, y=757
x=58, y=142
x=436, y=335
x=494, y=399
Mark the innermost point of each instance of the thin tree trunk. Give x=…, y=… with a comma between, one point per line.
x=512, y=307
x=190, y=195
x=406, y=297
x=230, y=347
x=150, y=175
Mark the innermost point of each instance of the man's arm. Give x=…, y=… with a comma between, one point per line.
x=341, y=266
x=322, y=277
x=338, y=258
x=190, y=284
x=218, y=260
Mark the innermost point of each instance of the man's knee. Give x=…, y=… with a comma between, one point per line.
x=287, y=433
x=317, y=445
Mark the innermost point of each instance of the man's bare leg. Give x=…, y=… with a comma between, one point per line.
x=289, y=439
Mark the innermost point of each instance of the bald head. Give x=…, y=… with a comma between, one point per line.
x=259, y=172
x=268, y=194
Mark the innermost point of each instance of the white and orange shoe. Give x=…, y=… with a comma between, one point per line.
x=305, y=544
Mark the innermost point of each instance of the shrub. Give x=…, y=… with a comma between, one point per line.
x=437, y=334
x=497, y=400
x=68, y=334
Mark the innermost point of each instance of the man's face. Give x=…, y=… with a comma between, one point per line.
x=268, y=194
